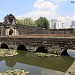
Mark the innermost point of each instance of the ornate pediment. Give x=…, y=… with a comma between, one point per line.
x=9, y=19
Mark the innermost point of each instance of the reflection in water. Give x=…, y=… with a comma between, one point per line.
x=51, y=72
x=33, y=70
x=61, y=63
x=10, y=62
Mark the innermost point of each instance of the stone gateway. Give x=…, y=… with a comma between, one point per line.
x=8, y=27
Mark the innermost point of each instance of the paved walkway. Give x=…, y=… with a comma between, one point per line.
x=71, y=70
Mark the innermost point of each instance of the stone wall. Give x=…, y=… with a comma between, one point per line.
x=22, y=29
x=62, y=31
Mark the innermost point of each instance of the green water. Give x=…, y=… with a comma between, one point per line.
x=36, y=65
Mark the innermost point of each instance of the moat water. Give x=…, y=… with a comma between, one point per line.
x=36, y=65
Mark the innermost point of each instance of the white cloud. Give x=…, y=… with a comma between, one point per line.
x=45, y=8
x=42, y=4
x=58, y=1
x=38, y=13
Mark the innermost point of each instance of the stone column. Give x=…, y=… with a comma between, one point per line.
x=1, y=30
x=7, y=31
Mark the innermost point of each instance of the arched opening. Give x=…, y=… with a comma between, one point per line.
x=10, y=32
x=4, y=46
x=64, y=53
x=42, y=49
x=21, y=47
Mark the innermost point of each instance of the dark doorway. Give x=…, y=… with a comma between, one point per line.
x=4, y=46
x=42, y=49
x=10, y=32
x=21, y=47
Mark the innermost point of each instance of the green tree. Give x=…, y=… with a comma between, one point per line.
x=42, y=22
x=26, y=21
x=17, y=21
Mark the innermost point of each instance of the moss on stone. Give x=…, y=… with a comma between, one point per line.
x=45, y=54
x=14, y=72
x=8, y=52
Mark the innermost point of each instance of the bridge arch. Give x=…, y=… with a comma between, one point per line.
x=66, y=47
x=42, y=49
x=5, y=46
x=21, y=47
x=64, y=53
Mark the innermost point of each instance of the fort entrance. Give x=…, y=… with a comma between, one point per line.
x=10, y=32
x=8, y=27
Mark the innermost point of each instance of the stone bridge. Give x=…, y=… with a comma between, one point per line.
x=32, y=38
x=37, y=43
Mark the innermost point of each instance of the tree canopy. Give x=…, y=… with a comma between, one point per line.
x=26, y=21
x=42, y=22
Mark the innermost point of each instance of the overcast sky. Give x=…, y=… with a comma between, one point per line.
x=62, y=10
